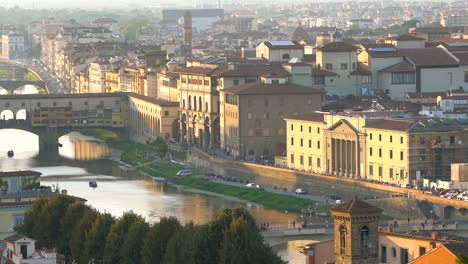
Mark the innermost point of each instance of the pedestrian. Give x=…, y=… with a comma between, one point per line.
x=268, y=226
x=408, y=220
x=425, y=221
x=294, y=224
x=422, y=224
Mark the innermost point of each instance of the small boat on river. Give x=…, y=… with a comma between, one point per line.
x=92, y=184
x=159, y=179
x=10, y=153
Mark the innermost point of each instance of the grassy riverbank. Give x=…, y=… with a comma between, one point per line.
x=131, y=154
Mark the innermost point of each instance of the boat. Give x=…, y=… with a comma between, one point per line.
x=93, y=184
x=10, y=153
x=159, y=179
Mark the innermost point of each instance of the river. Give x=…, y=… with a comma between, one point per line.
x=119, y=191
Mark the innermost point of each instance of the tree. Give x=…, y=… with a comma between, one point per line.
x=78, y=236
x=160, y=145
x=130, y=253
x=243, y=243
x=72, y=216
x=95, y=238
x=463, y=259
x=155, y=243
x=117, y=232
x=180, y=248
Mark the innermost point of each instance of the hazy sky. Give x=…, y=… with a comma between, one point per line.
x=102, y=3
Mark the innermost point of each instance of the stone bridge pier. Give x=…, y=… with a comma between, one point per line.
x=48, y=144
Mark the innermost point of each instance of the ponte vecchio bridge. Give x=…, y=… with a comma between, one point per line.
x=54, y=115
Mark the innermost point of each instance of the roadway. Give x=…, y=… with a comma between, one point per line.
x=54, y=84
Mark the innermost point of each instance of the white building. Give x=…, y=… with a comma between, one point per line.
x=22, y=250
x=280, y=51
x=12, y=45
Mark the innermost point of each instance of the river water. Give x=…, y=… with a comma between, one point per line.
x=119, y=191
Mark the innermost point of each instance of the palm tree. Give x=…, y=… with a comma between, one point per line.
x=463, y=259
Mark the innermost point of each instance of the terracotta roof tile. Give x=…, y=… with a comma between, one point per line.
x=337, y=47
x=251, y=70
x=263, y=88
x=419, y=56
x=405, y=37
x=153, y=100
x=312, y=116
x=356, y=207
x=15, y=237
x=399, y=67
x=196, y=70
x=19, y=173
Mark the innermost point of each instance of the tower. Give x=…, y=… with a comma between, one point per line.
x=356, y=235
x=188, y=33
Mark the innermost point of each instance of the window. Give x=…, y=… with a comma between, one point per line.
x=364, y=237
x=251, y=132
x=265, y=115
x=319, y=80
x=329, y=66
x=292, y=158
x=403, y=255
x=318, y=162
x=206, y=82
x=236, y=82
x=370, y=136
x=401, y=140
x=422, y=251
x=344, y=66
x=318, y=144
x=18, y=220
x=383, y=254
x=281, y=132
x=452, y=139
x=166, y=113
x=380, y=171
x=402, y=174
x=422, y=155
x=380, y=137
x=310, y=129
x=366, y=79
x=393, y=252
x=466, y=76
x=371, y=170
x=390, y=173
x=249, y=116
x=266, y=132
x=318, y=130
x=403, y=78
x=292, y=141
x=285, y=56
x=292, y=127
x=370, y=151
x=391, y=154
x=302, y=142
x=342, y=239
x=391, y=139
x=310, y=161
x=274, y=81
x=422, y=140
x=380, y=152
x=302, y=128
x=310, y=143
x=301, y=160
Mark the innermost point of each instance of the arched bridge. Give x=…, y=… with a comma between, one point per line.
x=53, y=115
x=11, y=85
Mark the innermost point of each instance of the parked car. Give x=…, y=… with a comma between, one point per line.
x=184, y=173
x=338, y=202
x=259, y=187
x=301, y=191
x=407, y=186
x=251, y=185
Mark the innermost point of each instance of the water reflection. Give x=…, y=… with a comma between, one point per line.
x=27, y=89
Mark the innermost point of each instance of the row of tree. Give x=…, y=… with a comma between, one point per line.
x=83, y=234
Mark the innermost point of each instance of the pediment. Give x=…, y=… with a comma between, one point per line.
x=343, y=126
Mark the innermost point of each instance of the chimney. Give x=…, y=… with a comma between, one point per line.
x=434, y=236
x=390, y=229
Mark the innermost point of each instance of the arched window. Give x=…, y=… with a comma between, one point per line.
x=183, y=104
x=190, y=102
x=364, y=237
x=286, y=56
x=342, y=239
x=195, y=103
x=200, y=104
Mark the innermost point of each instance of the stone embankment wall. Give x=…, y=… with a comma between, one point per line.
x=318, y=184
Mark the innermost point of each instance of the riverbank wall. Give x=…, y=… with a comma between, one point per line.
x=330, y=186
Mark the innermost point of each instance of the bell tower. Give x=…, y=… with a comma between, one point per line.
x=356, y=235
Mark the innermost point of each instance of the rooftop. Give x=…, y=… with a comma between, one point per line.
x=356, y=207
x=19, y=173
x=264, y=88
x=311, y=116
x=337, y=47
x=406, y=37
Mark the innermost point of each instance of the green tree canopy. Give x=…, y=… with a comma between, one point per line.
x=130, y=253
x=117, y=232
x=95, y=238
x=154, y=246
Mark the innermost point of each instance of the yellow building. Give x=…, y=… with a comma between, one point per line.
x=375, y=146
x=112, y=82
x=16, y=197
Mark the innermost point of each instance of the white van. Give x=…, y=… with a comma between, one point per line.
x=184, y=173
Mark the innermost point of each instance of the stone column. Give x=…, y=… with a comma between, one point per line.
x=332, y=156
